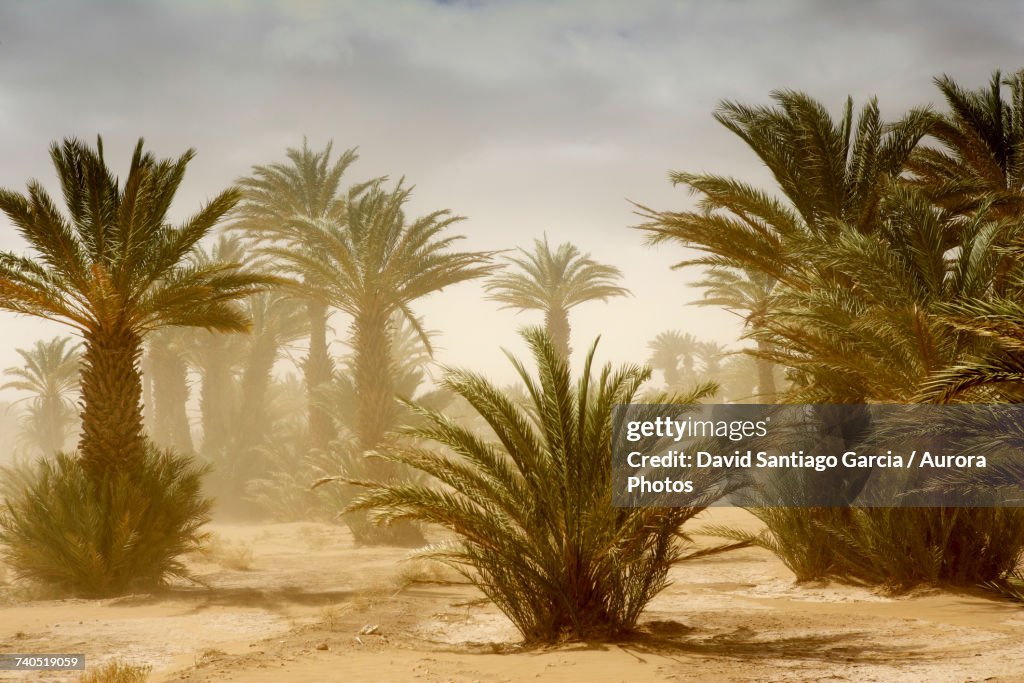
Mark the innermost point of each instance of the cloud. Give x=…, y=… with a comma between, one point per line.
x=526, y=116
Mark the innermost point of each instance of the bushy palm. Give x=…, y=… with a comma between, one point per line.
x=50, y=374
x=833, y=176
x=114, y=269
x=532, y=505
x=829, y=172
x=867, y=273
x=81, y=537
x=554, y=282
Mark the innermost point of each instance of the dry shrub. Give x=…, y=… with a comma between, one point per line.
x=235, y=555
x=117, y=671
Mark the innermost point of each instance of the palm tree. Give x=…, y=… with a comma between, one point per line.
x=372, y=267
x=980, y=158
x=282, y=203
x=165, y=371
x=554, y=282
x=671, y=349
x=748, y=293
x=50, y=374
x=277, y=321
x=833, y=176
x=114, y=270
x=710, y=355
x=531, y=508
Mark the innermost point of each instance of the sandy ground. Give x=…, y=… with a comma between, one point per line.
x=297, y=602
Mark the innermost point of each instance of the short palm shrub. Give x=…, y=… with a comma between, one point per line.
x=895, y=548
x=530, y=502
x=77, y=536
x=905, y=547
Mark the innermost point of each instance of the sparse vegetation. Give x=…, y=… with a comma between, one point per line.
x=237, y=555
x=117, y=671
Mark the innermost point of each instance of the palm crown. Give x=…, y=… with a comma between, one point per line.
x=113, y=270
x=555, y=282
x=282, y=203
x=372, y=266
x=50, y=374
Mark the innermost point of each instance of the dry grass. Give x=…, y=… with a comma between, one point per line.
x=425, y=571
x=331, y=618
x=236, y=555
x=117, y=671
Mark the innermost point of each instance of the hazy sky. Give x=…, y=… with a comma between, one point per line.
x=525, y=117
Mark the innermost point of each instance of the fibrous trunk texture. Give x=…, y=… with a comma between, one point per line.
x=112, y=439
x=376, y=415
x=556, y=322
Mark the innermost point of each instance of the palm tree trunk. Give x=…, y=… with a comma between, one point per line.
x=252, y=412
x=765, y=376
x=53, y=414
x=374, y=386
x=215, y=398
x=317, y=370
x=376, y=415
x=169, y=374
x=556, y=322
x=112, y=439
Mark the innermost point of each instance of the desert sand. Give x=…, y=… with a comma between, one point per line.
x=298, y=602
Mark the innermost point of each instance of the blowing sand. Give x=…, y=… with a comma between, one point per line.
x=298, y=602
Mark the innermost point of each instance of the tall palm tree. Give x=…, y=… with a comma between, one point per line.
x=165, y=371
x=554, y=282
x=113, y=270
x=980, y=157
x=747, y=292
x=374, y=265
x=282, y=202
x=50, y=374
x=832, y=176
x=673, y=352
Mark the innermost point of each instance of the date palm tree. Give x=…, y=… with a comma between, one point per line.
x=748, y=293
x=554, y=282
x=673, y=352
x=165, y=373
x=832, y=176
x=50, y=374
x=114, y=269
x=282, y=203
x=374, y=265
x=530, y=509
x=980, y=157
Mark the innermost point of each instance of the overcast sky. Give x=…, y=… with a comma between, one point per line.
x=525, y=117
